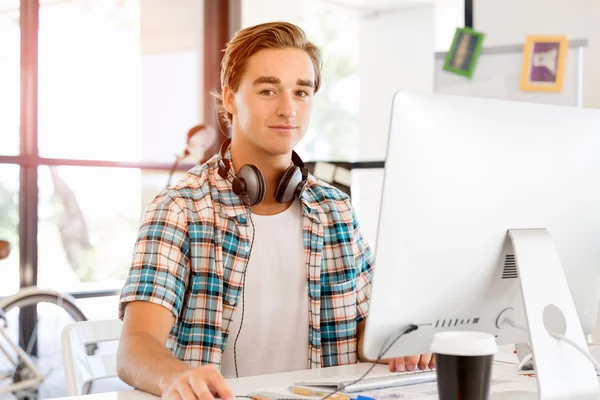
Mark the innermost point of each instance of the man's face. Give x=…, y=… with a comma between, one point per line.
x=273, y=103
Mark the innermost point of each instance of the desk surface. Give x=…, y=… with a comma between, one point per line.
x=504, y=378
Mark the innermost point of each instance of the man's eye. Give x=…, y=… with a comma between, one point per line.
x=268, y=92
x=301, y=93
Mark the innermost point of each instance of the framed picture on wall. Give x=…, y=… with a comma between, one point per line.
x=463, y=55
x=544, y=63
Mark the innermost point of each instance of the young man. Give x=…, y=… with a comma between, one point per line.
x=224, y=279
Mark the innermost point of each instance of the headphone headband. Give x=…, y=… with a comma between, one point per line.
x=250, y=186
x=296, y=160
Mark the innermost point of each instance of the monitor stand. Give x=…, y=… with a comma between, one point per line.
x=562, y=372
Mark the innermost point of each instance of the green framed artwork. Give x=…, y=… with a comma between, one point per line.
x=463, y=55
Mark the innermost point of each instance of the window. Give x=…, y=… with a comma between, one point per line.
x=111, y=93
x=89, y=82
x=88, y=222
x=9, y=141
x=170, y=105
x=105, y=149
x=102, y=98
x=9, y=227
x=9, y=77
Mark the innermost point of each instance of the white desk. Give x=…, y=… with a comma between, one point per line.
x=503, y=378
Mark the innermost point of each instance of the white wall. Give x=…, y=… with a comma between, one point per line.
x=510, y=21
x=397, y=48
x=447, y=16
x=172, y=75
x=259, y=11
x=169, y=103
x=396, y=52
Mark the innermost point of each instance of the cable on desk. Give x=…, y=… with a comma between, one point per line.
x=558, y=336
x=384, y=349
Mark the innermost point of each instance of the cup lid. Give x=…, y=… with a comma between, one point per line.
x=464, y=343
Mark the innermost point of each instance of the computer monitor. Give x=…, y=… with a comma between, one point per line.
x=460, y=174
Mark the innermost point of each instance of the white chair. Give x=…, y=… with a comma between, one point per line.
x=80, y=368
x=596, y=333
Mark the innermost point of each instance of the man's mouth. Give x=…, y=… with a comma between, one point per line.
x=288, y=127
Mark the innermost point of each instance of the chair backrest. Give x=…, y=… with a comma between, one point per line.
x=596, y=333
x=80, y=367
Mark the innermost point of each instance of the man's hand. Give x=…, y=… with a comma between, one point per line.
x=411, y=363
x=199, y=383
x=145, y=363
x=401, y=364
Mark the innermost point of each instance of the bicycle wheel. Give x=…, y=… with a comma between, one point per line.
x=53, y=314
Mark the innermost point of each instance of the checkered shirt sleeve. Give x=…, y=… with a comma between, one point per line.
x=160, y=267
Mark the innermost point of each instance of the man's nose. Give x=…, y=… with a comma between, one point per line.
x=286, y=107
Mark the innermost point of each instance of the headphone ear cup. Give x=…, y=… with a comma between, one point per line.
x=286, y=188
x=255, y=185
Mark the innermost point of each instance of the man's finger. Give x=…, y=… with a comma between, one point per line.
x=424, y=361
x=199, y=387
x=400, y=361
x=432, y=362
x=411, y=362
x=218, y=385
x=206, y=396
x=172, y=395
x=392, y=365
x=185, y=391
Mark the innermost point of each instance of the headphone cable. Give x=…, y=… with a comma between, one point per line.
x=243, y=296
x=384, y=349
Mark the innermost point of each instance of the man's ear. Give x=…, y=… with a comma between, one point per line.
x=229, y=100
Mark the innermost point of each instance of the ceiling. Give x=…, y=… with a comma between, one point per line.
x=377, y=5
x=171, y=26
x=177, y=25
x=13, y=5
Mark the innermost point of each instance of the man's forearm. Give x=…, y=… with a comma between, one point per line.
x=360, y=334
x=144, y=363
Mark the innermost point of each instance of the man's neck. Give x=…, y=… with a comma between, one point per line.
x=271, y=167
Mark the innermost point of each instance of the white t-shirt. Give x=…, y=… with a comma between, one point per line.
x=274, y=335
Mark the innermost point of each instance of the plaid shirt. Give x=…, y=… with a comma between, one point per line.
x=193, y=247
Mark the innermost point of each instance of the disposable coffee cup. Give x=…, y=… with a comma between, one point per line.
x=463, y=362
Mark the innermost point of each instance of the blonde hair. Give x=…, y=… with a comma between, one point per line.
x=248, y=41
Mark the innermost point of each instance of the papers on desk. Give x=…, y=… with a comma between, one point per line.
x=504, y=378
x=531, y=372
x=274, y=394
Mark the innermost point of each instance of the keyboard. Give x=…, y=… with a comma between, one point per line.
x=344, y=384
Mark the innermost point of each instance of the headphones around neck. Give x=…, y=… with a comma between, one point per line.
x=249, y=183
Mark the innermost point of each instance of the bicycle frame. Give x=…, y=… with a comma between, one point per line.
x=31, y=290
x=7, y=343
x=29, y=383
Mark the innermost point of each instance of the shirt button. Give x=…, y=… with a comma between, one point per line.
x=247, y=249
x=231, y=302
